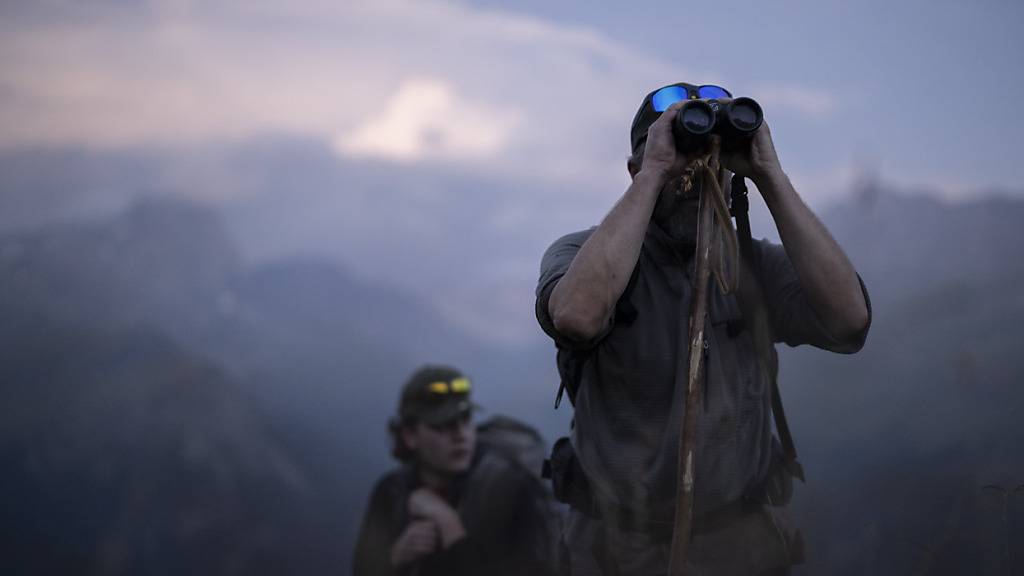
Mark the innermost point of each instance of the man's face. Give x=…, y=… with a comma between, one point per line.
x=446, y=448
x=676, y=211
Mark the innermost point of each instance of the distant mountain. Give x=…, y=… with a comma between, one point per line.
x=168, y=265
x=898, y=440
x=282, y=376
x=161, y=263
x=124, y=455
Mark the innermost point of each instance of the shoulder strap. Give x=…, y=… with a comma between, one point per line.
x=740, y=208
x=570, y=362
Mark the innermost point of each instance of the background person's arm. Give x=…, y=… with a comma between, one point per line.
x=425, y=503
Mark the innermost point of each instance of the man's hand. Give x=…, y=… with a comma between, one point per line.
x=828, y=279
x=583, y=300
x=425, y=503
x=757, y=159
x=660, y=154
x=419, y=539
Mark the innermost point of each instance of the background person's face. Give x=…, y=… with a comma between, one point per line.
x=446, y=448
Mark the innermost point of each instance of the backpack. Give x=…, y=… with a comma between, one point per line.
x=514, y=441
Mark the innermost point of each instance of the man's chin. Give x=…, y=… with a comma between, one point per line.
x=681, y=237
x=460, y=463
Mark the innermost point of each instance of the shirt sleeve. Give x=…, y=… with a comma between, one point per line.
x=792, y=318
x=376, y=535
x=553, y=266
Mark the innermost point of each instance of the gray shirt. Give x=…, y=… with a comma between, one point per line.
x=630, y=401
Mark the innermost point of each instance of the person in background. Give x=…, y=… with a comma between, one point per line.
x=451, y=507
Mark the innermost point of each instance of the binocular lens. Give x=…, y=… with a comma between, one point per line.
x=697, y=119
x=745, y=114
x=744, y=117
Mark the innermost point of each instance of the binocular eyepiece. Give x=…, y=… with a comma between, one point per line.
x=734, y=122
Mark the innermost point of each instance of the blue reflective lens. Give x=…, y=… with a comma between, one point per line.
x=709, y=91
x=667, y=96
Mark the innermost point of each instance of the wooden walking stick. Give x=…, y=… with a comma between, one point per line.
x=712, y=203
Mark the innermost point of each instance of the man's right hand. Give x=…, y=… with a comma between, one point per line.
x=660, y=154
x=419, y=539
x=583, y=300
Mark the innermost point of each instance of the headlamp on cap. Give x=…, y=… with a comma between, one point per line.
x=436, y=395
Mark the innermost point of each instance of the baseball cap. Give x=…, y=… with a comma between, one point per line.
x=658, y=100
x=436, y=395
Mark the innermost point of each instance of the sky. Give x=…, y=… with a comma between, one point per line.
x=504, y=121
x=907, y=87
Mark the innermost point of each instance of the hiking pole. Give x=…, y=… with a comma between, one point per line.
x=683, y=526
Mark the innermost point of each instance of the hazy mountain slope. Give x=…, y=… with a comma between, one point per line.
x=158, y=295
x=898, y=439
x=123, y=455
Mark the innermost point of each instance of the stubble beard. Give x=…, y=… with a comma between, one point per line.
x=676, y=215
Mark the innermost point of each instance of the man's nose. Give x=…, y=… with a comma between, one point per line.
x=460, y=429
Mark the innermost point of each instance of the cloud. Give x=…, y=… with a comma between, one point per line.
x=447, y=122
x=809, y=102
x=429, y=80
x=426, y=118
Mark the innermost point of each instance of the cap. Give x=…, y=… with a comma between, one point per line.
x=646, y=116
x=435, y=395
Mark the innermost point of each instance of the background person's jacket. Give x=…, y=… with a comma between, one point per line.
x=503, y=508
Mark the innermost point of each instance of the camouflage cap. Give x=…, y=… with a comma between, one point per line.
x=435, y=395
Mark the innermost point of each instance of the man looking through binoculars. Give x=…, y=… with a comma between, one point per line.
x=616, y=300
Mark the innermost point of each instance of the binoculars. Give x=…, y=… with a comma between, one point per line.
x=734, y=122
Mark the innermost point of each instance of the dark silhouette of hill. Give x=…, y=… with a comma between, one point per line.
x=124, y=455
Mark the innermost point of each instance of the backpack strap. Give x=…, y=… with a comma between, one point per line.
x=570, y=362
x=739, y=209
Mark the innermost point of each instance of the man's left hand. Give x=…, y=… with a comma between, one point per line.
x=828, y=280
x=755, y=159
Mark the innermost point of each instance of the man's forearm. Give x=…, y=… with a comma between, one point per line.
x=582, y=302
x=827, y=277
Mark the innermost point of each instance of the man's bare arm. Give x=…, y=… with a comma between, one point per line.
x=583, y=300
x=827, y=277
